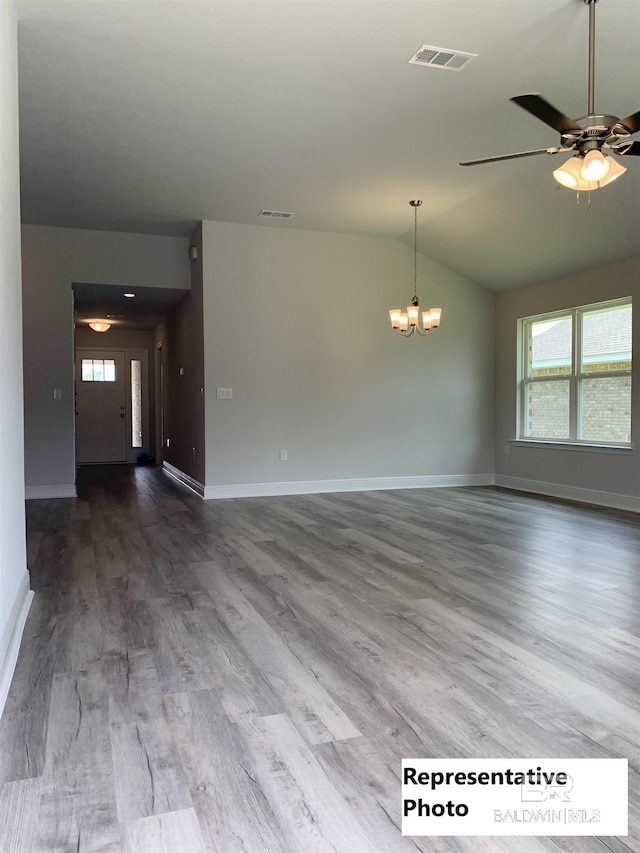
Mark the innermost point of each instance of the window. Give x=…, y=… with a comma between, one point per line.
x=575, y=383
x=136, y=402
x=98, y=370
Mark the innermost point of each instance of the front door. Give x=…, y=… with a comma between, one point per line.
x=101, y=409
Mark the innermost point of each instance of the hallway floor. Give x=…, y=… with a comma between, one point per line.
x=246, y=675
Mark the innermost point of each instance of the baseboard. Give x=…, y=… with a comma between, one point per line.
x=183, y=478
x=64, y=490
x=312, y=487
x=570, y=493
x=11, y=637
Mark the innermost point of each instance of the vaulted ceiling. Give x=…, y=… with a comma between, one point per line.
x=149, y=115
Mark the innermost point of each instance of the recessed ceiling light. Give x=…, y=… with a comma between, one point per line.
x=129, y=295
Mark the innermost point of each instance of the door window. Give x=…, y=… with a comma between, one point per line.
x=98, y=370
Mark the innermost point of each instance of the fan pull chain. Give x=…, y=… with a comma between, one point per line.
x=588, y=198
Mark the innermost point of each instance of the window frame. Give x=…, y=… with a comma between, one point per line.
x=575, y=377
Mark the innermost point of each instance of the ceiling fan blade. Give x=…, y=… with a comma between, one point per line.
x=543, y=110
x=628, y=148
x=511, y=156
x=632, y=122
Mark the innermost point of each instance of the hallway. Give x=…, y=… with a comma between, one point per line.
x=246, y=675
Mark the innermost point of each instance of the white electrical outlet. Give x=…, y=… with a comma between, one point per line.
x=283, y=455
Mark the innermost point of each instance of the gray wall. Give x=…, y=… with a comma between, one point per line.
x=578, y=471
x=13, y=575
x=296, y=323
x=181, y=335
x=54, y=258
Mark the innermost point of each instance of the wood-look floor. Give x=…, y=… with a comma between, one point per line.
x=246, y=675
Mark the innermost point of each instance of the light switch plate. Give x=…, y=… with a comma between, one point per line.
x=224, y=393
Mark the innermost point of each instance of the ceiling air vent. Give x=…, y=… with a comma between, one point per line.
x=276, y=214
x=441, y=57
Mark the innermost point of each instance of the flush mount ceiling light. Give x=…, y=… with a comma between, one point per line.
x=98, y=326
x=406, y=324
x=129, y=295
x=592, y=138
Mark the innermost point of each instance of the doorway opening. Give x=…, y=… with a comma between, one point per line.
x=112, y=405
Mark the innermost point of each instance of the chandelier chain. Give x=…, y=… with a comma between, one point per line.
x=415, y=250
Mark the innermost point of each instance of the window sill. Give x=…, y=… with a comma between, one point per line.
x=615, y=449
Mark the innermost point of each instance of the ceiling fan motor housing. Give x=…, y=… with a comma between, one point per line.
x=593, y=131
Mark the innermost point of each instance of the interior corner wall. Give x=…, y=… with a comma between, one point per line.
x=579, y=473
x=14, y=579
x=52, y=259
x=182, y=338
x=296, y=324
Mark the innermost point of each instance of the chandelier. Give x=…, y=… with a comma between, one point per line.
x=406, y=323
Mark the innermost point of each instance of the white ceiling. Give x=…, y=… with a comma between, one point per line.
x=149, y=115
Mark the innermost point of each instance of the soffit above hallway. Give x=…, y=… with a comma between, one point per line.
x=147, y=307
x=149, y=116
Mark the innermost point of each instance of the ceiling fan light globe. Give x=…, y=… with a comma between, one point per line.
x=616, y=170
x=569, y=173
x=595, y=166
x=565, y=178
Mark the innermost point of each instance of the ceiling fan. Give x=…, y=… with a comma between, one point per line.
x=592, y=137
